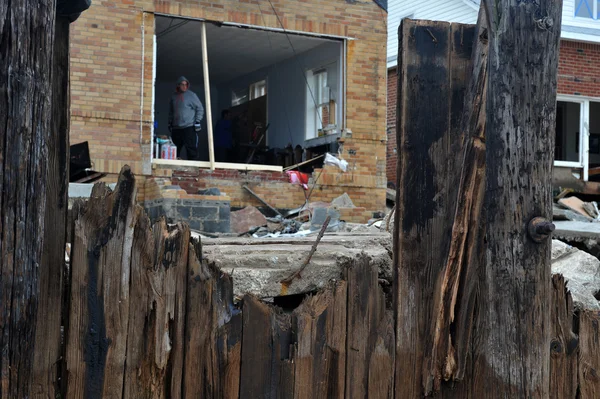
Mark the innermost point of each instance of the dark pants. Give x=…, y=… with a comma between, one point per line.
x=186, y=140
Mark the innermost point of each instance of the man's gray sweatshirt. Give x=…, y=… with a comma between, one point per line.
x=185, y=108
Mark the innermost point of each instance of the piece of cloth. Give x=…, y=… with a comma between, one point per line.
x=186, y=140
x=296, y=177
x=185, y=108
x=223, y=134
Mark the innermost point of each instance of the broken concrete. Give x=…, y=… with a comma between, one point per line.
x=343, y=201
x=258, y=265
x=245, y=219
x=576, y=231
x=581, y=271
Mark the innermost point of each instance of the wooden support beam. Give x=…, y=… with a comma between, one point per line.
x=27, y=30
x=434, y=67
x=513, y=354
x=208, y=107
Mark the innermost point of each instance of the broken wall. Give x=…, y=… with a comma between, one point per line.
x=112, y=93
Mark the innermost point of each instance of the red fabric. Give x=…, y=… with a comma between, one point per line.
x=300, y=178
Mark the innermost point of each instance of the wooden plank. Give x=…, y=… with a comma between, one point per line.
x=434, y=66
x=155, y=344
x=26, y=44
x=320, y=358
x=213, y=332
x=588, y=368
x=564, y=343
x=229, y=355
x=255, y=377
x=48, y=361
x=513, y=354
x=99, y=311
x=199, y=363
x=218, y=165
x=370, y=343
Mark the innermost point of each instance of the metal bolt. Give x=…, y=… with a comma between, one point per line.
x=540, y=229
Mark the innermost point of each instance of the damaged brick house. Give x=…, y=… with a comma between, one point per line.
x=300, y=78
x=577, y=148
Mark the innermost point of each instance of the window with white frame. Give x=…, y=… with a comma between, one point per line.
x=577, y=142
x=258, y=89
x=317, y=102
x=586, y=9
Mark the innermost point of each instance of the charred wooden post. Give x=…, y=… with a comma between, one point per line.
x=26, y=48
x=434, y=69
x=514, y=333
x=48, y=362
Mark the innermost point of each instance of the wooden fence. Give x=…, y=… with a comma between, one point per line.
x=145, y=317
x=140, y=314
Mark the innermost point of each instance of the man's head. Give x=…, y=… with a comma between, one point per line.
x=182, y=84
x=225, y=114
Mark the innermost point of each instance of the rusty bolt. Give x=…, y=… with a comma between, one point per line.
x=540, y=229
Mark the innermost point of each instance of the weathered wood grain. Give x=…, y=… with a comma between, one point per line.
x=99, y=309
x=26, y=58
x=588, y=370
x=48, y=362
x=213, y=331
x=434, y=68
x=564, y=344
x=515, y=328
x=155, y=345
x=370, y=338
x=320, y=358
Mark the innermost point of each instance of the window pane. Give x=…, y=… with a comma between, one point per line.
x=239, y=97
x=583, y=8
x=567, y=146
x=594, y=154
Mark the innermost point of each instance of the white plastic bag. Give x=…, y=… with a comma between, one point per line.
x=331, y=160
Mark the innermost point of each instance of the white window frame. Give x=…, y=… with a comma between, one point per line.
x=594, y=16
x=584, y=134
x=223, y=165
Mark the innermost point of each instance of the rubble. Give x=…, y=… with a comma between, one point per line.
x=257, y=265
x=245, y=219
x=582, y=272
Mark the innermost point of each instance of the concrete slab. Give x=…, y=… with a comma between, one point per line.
x=258, y=265
x=576, y=231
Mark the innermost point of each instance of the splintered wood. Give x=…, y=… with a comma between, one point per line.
x=150, y=318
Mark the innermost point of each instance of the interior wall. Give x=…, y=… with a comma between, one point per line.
x=286, y=92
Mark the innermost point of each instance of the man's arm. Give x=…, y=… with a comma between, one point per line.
x=170, y=112
x=199, y=112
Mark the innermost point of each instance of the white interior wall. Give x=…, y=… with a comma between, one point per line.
x=286, y=92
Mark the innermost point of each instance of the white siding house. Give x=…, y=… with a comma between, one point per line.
x=581, y=18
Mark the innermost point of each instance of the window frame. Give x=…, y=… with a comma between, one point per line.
x=212, y=164
x=584, y=134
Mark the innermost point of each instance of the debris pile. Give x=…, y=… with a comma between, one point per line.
x=306, y=220
x=574, y=209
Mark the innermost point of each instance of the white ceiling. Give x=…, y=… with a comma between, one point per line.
x=232, y=51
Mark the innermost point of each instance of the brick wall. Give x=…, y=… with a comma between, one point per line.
x=578, y=74
x=579, y=69
x=392, y=90
x=111, y=79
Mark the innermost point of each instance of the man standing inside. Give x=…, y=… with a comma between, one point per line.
x=185, y=114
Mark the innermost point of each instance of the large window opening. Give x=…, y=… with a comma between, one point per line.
x=271, y=93
x=577, y=142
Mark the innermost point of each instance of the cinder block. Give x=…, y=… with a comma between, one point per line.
x=205, y=212
x=221, y=226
